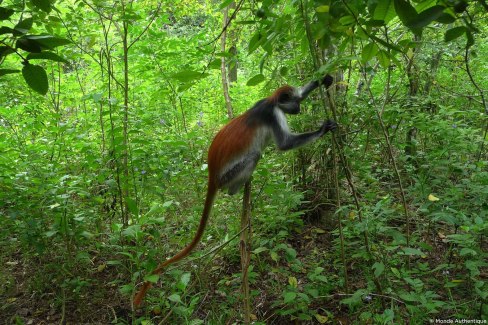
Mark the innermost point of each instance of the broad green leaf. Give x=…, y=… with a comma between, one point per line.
x=6, y=30
x=383, y=58
x=7, y=71
x=293, y=281
x=467, y=251
x=322, y=9
x=175, y=298
x=24, y=26
x=395, y=271
x=126, y=289
x=46, y=56
x=189, y=75
x=44, y=5
x=369, y=51
x=255, y=80
x=405, y=11
x=50, y=233
x=413, y=251
x=185, y=279
x=48, y=41
x=347, y=20
x=385, y=43
x=446, y=18
x=256, y=40
x=28, y=45
x=378, y=267
x=132, y=205
x=225, y=3
x=153, y=278
x=289, y=296
x=385, y=11
x=5, y=13
x=36, y=78
x=426, y=17
x=321, y=319
x=259, y=250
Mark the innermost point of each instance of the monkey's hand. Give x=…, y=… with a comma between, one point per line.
x=327, y=126
x=327, y=81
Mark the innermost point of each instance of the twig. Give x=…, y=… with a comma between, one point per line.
x=245, y=249
x=234, y=13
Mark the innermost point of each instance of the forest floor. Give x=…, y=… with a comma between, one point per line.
x=31, y=293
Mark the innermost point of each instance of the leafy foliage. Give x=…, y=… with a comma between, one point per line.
x=105, y=176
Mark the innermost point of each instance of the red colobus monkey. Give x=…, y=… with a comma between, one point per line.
x=236, y=150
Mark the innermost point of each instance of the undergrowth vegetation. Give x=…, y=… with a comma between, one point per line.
x=103, y=161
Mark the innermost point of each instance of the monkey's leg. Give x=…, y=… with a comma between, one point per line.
x=239, y=173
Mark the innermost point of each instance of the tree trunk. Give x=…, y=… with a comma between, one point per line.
x=223, y=66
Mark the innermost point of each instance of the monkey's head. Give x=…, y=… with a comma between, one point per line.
x=287, y=100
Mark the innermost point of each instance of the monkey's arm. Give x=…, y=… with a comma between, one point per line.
x=308, y=88
x=286, y=140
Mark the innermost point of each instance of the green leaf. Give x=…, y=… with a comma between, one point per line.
x=28, y=45
x=385, y=11
x=322, y=9
x=446, y=18
x=413, y=251
x=36, y=78
x=44, y=5
x=256, y=40
x=259, y=250
x=153, y=278
x=369, y=51
x=467, y=251
x=274, y=256
x=225, y=3
x=454, y=33
x=383, y=58
x=189, y=75
x=132, y=205
x=185, y=279
x=48, y=41
x=255, y=80
x=405, y=11
x=378, y=267
x=5, y=13
x=395, y=271
x=5, y=50
x=7, y=71
x=385, y=43
x=6, y=30
x=126, y=289
x=24, y=26
x=426, y=17
x=289, y=296
x=293, y=281
x=175, y=298
x=347, y=20
x=46, y=56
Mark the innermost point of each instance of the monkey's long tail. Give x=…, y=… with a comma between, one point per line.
x=211, y=193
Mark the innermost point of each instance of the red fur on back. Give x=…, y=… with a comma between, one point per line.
x=230, y=141
x=286, y=89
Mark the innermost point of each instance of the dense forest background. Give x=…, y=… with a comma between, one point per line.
x=106, y=113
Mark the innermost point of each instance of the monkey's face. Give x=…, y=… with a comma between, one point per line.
x=289, y=103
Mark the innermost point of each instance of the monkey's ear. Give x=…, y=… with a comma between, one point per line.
x=327, y=81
